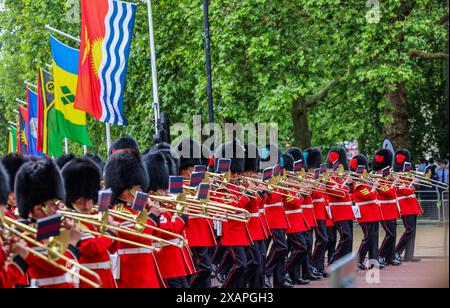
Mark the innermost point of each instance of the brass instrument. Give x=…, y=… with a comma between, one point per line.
x=55, y=248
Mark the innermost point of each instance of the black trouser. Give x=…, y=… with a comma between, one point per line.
x=345, y=246
x=237, y=275
x=218, y=253
x=320, y=247
x=297, y=253
x=332, y=241
x=178, y=283
x=276, y=258
x=202, y=261
x=408, y=239
x=387, y=249
x=306, y=264
x=256, y=265
x=369, y=243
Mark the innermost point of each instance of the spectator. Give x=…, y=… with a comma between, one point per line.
x=442, y=171
x=422, y=165
x=429, y=195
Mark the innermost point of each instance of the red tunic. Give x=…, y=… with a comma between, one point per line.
x=275, y=215
x=387, y=198
x=262, y=213
x=408, y=202
x=200, y=232
x=319, y=202
x=366, y=200
x=294, y=212
x=94, y=254
x=341, y=207
x=308, y=211
x=173, y=261
x=256, y=223
x=11, y=273
x=137, y=266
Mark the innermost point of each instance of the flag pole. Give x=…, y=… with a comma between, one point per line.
x=108, y=136
x=153, y=63
x=22, y=102
x=30, y=84
x=71, y=37
x=85, y=150
x=66, y=146
x=208, y=69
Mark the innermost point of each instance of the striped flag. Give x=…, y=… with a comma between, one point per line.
x=196, y=178
x=22, y=132
x=48, y=227
x=106, y=33
x=175, y=185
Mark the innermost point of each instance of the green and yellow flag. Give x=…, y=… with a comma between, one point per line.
x=71, y=122
x=12, y=141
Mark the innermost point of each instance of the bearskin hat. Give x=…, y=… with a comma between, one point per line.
x=4, y=186
x=190, y=153
x=62, y=160
x=401, y=157
x=125, y=170
x=297, y=155
x=288, y=161
x=359, y=160
x=157, y=147
x=158, y=170
x=252, y=159
x=96, y=159
x=339, y=154
x=82, y=178
x=382, y=159
x=124, y=144
x=37, y=182
x=313, y=158
x=235, y=151
x=12, y=164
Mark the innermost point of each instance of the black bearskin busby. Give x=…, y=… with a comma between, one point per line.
x=124, y=144
x=382, y=159
x=190, y=153
x=37, y=182
x=359, y=160
x=313, y=158
x=157, y=147
x=82, y=178
x=339, y=154
x=235, y=151
x=401, y=157
x=62, y=160
x=297, y=155
x=158, y=170
x=252, y=159
x=96, y=159
x=12, y=164
x=4, y=186
x=124, y=170
x=288, y=161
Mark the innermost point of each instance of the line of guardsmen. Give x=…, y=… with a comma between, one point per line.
x=276, y=247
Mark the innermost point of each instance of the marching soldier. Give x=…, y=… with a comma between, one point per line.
x=369, y=215
x=125, y=175
x=82, y=183
x=11, y=272
x=12, y=163
x=409, y=209
x=39, y=189
x=174, y=263
x=199, y=231
x=387, y=200
x=341, y=204
x=62, y=160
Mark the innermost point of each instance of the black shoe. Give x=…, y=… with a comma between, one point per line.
x=378, y=265
x=267, y=284
x=301, y=282
x=324, y=274
x=316, y=272
x=284, y=285
x=414, y=260
x=394, y=262
x=288, y=279
x=311, y=277
x=220, y=277
x=362, y=267
x=399, y=257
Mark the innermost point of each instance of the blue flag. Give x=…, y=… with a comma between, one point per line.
x=32, y=127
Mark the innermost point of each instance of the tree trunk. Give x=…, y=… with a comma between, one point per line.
x=302, y=131
x=398, y=129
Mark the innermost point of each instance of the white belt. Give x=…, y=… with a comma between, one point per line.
x=318, y=200
x=366, y=203
x=261, y=211
x=307, y=206
x=340, y=203
x=43, y=282
x=387, y=201
x=254, y=215
x=98, y=265
x=274, y=205
x=176, y=241
x=294, y=212
x=406, y=197
x=133, y=251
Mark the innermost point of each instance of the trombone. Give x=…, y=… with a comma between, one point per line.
x=55, y=249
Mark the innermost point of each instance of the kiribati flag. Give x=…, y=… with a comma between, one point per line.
x=106, y=32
